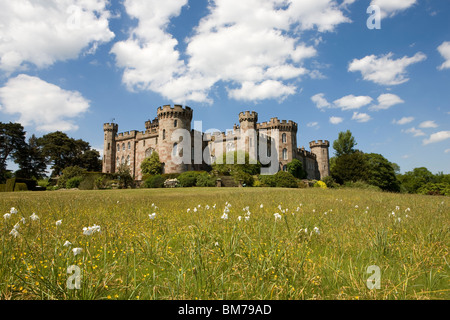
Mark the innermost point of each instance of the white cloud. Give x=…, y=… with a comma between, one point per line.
x=313, y=125
x=352, y=102
x=246, y=44
x=384, y=70
x=42, y=104
x=336, y=120
x=43, y=32
x=404, y=120
x=437, y=137
x=361, y=117
x=385, y=101
x=428, y=124
x=444, y=50
x=320, y=101
x=390, y=8
x=415, y=132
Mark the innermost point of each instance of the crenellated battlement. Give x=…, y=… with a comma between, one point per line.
x=305, y=153
x=319, y=143
x=152, y=124
x=250, y=116
x=177, y=111
x=282, y=125
x=110, y=127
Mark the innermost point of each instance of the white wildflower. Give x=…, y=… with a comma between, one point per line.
x=246, y=218
x=195, y=209
x=152, y=216
x=261, y=206
x=23, y=220
x=216, y=244
x=14, y=233
x=277, y=216
x=189, y=209
x=316, y=230
x=58, y=223
x=77, y=251
x=13, y=210
x=67, y=244
x=91, y=230
x=397, y=208
x=7, y=216
x=239, y=218
x=34, y=217
x=224, y=216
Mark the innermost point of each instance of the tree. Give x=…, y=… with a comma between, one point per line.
x=61, y=151
x=412, y=181
x=350, y=168
x=31, y=161
x=295, y=167
x=124, y=175
x=151, y=165
x=241, y=163
x=381, y=173
x=12, y=140
x=345, y=144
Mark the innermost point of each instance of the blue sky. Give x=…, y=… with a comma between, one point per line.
x=72, y=65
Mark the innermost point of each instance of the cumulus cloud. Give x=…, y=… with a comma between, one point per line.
x=336, y=120
x=248, y=45
x=404, y=120
x=437, y=137
x=43, y=32
x=415, y=132
x=390, y=8
x=361, y=117
x=320, y=101
x=42, y=104
x=385, y=101
x=428, y=124
x=352, y=102
x=444, y=50
x=383, y=69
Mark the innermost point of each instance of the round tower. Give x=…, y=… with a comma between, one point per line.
x=320, y=149
x=169, y=120
x=248, y=120
x=109, y=147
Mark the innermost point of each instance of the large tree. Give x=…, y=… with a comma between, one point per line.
x=62, y=151
x=345, y=144
x=152, y=165
x=350, y=168
x=12, y=141
x=382, y=173
x=31, y=161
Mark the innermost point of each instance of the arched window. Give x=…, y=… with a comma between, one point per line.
x=118, y=147
x=123, y=146
x=123, y=160
x=164, y=134
x=175, y=149
x=285, y=154
x=175, y=123
x=117, y=161
x=284, y=138
x=128, y=161
x=129, y=145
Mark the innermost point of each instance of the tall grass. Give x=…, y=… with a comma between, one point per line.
x=199, y=255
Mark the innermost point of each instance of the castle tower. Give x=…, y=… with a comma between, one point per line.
x=320, y=149
x=109, y=147
x=248, y=136
x=248, y=120
x=169, y=120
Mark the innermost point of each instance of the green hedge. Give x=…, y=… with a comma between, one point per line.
x=20, y=187
x=156, y=181
x=10, y=183
x=2, y=187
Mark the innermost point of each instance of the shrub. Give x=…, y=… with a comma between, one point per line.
x=69, y=173
x=295, y=167
x=267, y=180
x=247, y=178
x=302, y=184
x=320, y=184
x=189, y=179
x=285, y=180
x=20, y=187
x=257, y=183
x=43, y=183
x=205, y=180
x=329, y=181
x=156, y=181
x=2, y=187
x=74, y=182
x=10, y=183
x=435, y=189
x=361, y=185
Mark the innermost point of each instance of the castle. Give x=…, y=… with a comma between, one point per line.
x=133, y=147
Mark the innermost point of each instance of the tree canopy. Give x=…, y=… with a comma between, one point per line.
x=345, y=144
x=12, y=142
x=152, y=164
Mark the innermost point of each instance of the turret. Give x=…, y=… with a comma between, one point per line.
x=169, y=120
x=248, y=120
x=321, y=150
x=109, y=147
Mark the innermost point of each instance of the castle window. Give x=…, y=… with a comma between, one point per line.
x=109, y=146
x=128, y=161
x=164, y=134
x=284, y=138
x=118, y=161
x=129, y=145
x=118, y=147
x=285, y=154
x=123, y=146
x=175, y=123
x=143, y=142
x=123, y=160
x=175, y=150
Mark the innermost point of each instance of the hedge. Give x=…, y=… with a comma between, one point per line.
x=20, y=187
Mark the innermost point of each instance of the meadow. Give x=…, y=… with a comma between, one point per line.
x=219, y=243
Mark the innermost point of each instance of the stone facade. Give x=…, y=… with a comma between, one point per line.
x=133, y=147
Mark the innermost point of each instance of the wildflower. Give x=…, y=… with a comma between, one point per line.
x=7, y=216
x=189, y=209
x=91, y=230
x=224, y=216
x=393, y=213
x=216, y=244
x=214, y=206
x=195, y=209
x=399, y=220
x=316, y=230
x=239, y=218
x=76, y=251
x=152, y=216
x=356, y=207
x=67, y=244
x=207, y=207
x=14, y=233
x=16, y=226
x=246, y=218
x=199, y=205
x=408, y=210
x=13, y=210
x=23, y=220
x=34, y=217
x=397, y=208
x=314, y=210
x=58, y=223
x=261, y=206
x=277, y=216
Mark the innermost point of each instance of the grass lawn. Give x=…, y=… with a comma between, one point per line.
x=224, y=244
